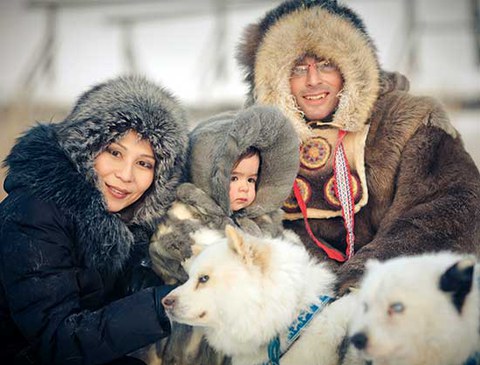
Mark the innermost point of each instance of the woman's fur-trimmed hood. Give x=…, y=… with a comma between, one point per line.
x=106, y=112
x=215, y=145
x=295, y=28
x=54, y=162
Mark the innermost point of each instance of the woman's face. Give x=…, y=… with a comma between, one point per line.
x=125, y=171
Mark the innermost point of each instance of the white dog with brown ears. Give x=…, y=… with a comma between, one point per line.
x=419, y=310
x=260, y=300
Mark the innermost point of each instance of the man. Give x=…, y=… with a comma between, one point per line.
x=383, y=173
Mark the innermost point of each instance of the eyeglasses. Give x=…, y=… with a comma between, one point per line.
x=324, y=66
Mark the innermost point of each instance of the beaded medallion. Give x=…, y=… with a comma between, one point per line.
x=291, y=203
x=315, y=153
x=331, y=197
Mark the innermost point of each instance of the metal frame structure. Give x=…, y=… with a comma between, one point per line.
x=43, y=61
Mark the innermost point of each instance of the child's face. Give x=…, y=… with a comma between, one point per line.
x=243, y=182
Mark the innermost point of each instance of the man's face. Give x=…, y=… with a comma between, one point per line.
x=315, y=86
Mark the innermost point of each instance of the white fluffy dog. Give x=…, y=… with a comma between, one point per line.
x=245, y=291
x=419, y=310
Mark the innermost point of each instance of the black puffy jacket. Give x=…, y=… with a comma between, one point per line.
x=69, y=268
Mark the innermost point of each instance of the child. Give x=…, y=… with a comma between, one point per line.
x=221, y=191
x=243, y=180
x=241, y=168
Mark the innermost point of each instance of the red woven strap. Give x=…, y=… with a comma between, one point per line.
x=331, y=252
x=344, y=192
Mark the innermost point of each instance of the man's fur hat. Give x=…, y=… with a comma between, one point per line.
x=270, y=48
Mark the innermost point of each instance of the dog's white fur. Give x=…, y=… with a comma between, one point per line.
x=244, y=291
x=406, y=319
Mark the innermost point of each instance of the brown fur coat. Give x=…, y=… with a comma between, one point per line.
x=419, y=188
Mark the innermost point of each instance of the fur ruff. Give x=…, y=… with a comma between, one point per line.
x=54, y=162
x=38, y=163
x=268, y=55
x=216, y=144
x=106, y=112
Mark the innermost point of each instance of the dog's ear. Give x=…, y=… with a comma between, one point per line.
x=238, y=244
x=457, y=280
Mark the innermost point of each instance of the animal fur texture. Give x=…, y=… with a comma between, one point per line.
x=419, y=310
x=215, y=145
x=243, y=291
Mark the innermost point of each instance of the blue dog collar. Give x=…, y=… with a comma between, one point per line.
x=294, y=331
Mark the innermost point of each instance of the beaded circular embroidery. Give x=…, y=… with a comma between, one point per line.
x=314, y=153
x=291, y=203
x=329, y=191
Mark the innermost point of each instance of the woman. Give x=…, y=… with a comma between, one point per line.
x=83, y=198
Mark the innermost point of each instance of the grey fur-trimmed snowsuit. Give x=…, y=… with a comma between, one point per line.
x=203, y=202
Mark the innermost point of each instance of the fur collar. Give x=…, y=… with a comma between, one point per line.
x=38, y=164
x=55, y=163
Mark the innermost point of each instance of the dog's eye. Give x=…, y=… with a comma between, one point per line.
x=203, y=279
x=396, y=307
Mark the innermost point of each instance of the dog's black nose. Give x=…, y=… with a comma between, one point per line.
x=168, y=301
x=359, y=340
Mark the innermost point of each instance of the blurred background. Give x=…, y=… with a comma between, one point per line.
x=53, y=50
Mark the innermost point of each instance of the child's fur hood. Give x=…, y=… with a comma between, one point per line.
x=215, y=145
